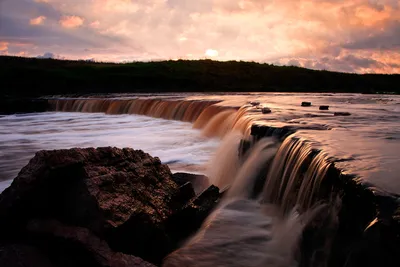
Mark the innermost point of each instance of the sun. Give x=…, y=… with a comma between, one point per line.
x=211, y=53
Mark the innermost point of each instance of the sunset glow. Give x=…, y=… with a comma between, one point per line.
x=351, y=36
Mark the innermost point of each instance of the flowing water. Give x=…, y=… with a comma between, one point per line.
x=273, y=186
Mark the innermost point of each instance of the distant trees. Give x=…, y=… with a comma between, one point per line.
x=35, y=77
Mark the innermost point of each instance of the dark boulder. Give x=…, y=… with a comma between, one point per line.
x=189, y=219
x=199, y=182
x=123, y=196
x=305, y=104
x=266, y=110
x=323, y=107
x=69, y=246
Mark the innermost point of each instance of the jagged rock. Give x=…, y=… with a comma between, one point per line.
x=305, y=104
x=199, y=182
x=342, y=114
x=125, y=197
x=122, y=195
x=323, y=107
x=20, y=255
x=61, y=242
x=189, y=218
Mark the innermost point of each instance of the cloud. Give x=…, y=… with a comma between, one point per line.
x=50, y=55
x=37, y=21
x=3, y=46
x=71, y=21
x=95, y=24
x=211, y=53
x=344, y=35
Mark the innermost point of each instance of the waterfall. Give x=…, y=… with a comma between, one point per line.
x=250, y=230
x=214, y=120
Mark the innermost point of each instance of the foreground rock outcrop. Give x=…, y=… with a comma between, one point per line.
x=98, y=207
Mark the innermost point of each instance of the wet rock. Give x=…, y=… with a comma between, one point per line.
x=254, y=103
x=323, y=107
x=266, y=110
x=189, y=219
x=21, y=255
x=122, y=195
x=103, y=205
x=198, y=181
x=305, y=104
x=60, y=242
x=342, y=114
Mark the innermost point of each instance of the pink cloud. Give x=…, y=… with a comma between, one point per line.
x=71, y=21
x=37, y=21
x=95, y=24
x=3, y=46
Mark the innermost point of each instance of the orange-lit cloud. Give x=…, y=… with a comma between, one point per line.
x=71, y=21
x=37, y=21
x=341, y=35
x=3, y=46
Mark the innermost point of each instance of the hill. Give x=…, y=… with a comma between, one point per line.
x=34, y=77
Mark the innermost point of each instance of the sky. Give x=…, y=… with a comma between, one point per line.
x=361, y=36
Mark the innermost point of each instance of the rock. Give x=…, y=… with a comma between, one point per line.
x=199, y=182
x=20, y=255
x=122, y=195
x=189, y=219
x=254, y=103
x=61, y=242
x=104, y=205
x=266, y=110
x=341, y=114
x=323, y=107
x=305, y=104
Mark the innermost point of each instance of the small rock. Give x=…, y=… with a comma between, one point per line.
x=198, y=181
x=254, y=103
x=305, y=104
x=342, y=114
x=323, y=107
x=189, y=219
x=266, y=110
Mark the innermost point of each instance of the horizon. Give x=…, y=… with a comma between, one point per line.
x=357, y=36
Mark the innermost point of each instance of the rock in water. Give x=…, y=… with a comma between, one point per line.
x=323, y=107
x=122, y=196
x=305, y=104
x=342, y=114
x=266, y=110
x=199, y=182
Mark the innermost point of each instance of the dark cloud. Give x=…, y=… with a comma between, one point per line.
x=386, y=38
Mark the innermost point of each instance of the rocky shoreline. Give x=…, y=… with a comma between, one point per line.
x=122, y=207
x=99, y=207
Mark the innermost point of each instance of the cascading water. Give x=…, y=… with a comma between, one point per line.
x=243, y=231
x=214, y=120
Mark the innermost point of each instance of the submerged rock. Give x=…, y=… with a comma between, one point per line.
x=122, y=197
x=342, y=114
